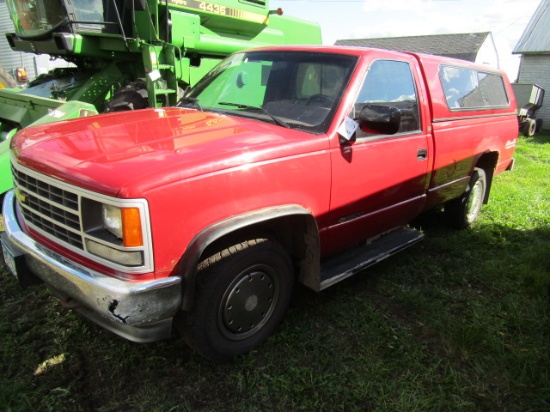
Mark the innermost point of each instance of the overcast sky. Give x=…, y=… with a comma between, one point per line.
x=349, y=19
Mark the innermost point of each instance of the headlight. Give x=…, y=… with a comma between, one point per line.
x=117, y=231
x=112, y=220
x=124, y=223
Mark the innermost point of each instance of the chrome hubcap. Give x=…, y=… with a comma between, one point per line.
x=475, y=201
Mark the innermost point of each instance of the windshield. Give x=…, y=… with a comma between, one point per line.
x=299, y=90
x=33, y=18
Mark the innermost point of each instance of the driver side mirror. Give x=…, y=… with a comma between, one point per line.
x=380, y=119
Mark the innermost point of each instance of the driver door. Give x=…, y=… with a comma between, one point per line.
x=380, y=180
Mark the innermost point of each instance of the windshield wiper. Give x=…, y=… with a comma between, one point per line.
x=276, y=119
x=189, y=101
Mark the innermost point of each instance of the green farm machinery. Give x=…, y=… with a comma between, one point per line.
x=128, y=54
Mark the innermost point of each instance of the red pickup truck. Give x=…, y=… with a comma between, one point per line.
x=282, y=165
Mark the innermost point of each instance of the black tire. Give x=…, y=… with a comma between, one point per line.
x=133, y=96
x=529, y=128
x=6, y=80
x=242, y=295
x=463, y=211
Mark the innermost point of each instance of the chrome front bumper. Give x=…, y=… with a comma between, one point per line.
x=138, y=311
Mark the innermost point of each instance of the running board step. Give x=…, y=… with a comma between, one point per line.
x=348, y=263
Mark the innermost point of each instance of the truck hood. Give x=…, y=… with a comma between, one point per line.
x=126, y=154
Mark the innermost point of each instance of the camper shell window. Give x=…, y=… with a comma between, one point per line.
x=469, y=89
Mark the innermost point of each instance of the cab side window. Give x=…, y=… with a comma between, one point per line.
x=390, y=83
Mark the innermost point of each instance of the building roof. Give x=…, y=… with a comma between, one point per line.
x=463, y=46
x=536, y=37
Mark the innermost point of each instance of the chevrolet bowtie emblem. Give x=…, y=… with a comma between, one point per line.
x=21, y=197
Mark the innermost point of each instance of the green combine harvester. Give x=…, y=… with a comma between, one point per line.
x=128, y=54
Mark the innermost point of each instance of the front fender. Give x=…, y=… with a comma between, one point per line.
x=191, y=258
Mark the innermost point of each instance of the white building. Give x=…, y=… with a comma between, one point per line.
x=534, y=48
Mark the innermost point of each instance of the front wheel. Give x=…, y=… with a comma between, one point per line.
x=243, y=293
x=463, y=211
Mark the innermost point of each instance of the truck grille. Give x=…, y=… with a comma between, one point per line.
x=49, y=208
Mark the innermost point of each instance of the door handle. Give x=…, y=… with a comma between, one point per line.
x=422, y=154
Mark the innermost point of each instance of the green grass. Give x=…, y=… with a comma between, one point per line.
x=460, y=322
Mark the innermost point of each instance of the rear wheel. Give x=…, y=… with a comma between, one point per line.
x=242, y=295
x=6, y=79
x=463, y=211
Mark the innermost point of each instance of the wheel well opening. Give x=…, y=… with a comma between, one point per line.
x=289, y=231
x=297, y=234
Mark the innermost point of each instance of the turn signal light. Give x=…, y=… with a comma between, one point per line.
x=131, y=227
